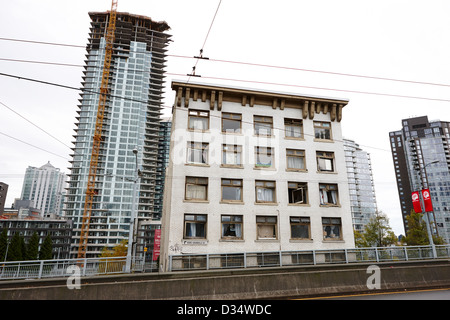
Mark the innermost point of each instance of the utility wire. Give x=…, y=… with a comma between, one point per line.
x=32, y=145
x=239, y=62
x=204, y=42
x=162, y=106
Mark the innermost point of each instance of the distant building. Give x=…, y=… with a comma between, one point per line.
x=45, y=187
x=360, y=182
x=421, y=156
x=3, y=193
x=254, y=171
x=60, y=232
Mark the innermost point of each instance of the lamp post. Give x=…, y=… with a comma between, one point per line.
x=427, y=220
x=133, y=216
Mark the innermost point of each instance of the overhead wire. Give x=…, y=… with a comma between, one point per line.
x=238, y=62
x=145, y=102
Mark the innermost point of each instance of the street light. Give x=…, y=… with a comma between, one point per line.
x=427, y=220
x=133, y=215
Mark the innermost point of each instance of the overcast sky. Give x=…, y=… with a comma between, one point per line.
x=389, y=39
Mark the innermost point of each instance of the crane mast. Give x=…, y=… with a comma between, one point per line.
x=93, y=166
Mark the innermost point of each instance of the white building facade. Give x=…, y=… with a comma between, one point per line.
x=45, y=187
x=254, y=171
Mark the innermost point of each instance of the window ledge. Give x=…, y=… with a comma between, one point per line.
x=267, y=203
x=231, y=166
x=299, y=204
x=330, y=205
x=327, y=172
x=323, y=140
x=333, y=241
x=296, y=170
x=267, y=240
x=197, y=164
x=301, y=240
x=231, y=240
x=196, y=201
x=231, y=202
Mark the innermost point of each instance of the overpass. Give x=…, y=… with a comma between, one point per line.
x=250, y=283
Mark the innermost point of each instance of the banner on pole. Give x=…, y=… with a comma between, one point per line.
x=157, y=246
x=427, y=200
x=416, y=201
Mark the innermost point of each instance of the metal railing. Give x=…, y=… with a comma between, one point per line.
x=38, y=269
x=188, y=262
x=116, y=265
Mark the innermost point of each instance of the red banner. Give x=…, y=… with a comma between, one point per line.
x=427, y=200
x=416, y=201
x=157, y=245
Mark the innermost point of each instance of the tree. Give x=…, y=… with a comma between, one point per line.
x=119, y=250
x=46, y=249
x=377, y=233
x=32, y=250
x=417, y=231
x=3, y=244
x=15, y=250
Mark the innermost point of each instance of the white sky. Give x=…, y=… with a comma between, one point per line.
x=407, y=40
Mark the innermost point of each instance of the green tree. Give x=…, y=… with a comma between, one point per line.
x=45, y=253
x=377, y=233
x=417, y=231
x=32, y=250
x=3, y=244
x=15, y=251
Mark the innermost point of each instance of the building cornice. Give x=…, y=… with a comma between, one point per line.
x=216, y=95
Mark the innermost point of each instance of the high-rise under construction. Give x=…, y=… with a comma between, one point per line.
x=129, y=131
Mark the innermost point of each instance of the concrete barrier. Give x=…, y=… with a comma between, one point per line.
x=266, y=283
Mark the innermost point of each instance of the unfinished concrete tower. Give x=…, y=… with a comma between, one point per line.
x=130, y=122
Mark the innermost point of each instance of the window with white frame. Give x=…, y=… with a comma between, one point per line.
x=300, y=227
x=232, y=155
x=295, y=159
x=198, y=120
x=196, y=188
x=325, y=161
x=197, y=152
x=332, y=228
x=266, y=227
x=264, y=157
x=195, y=226
x=328, y=194
x=265, y=191
x=231, y=227
x=293, y=128
x=322, y=130
x=297, y=192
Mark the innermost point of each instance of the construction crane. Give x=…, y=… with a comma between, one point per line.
x=93, y=166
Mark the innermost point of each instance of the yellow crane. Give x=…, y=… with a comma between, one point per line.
x=93, y=166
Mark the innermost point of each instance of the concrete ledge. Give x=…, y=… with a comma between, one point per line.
x=264, y=283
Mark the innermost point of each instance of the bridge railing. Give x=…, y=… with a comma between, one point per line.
x=38, y=269
x=186, y=262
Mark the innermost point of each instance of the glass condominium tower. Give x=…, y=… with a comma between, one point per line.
x=421, y=156
x=361, y=185
x=131, y=122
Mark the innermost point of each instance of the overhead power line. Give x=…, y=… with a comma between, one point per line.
x=346, y=74
x=142, y=101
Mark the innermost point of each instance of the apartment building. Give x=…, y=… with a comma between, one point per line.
x=254, y=171
x=131, y=122
x=361, y=186
x=45, y=187
x=421, y=157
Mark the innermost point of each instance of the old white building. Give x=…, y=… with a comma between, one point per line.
x=254, y=171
